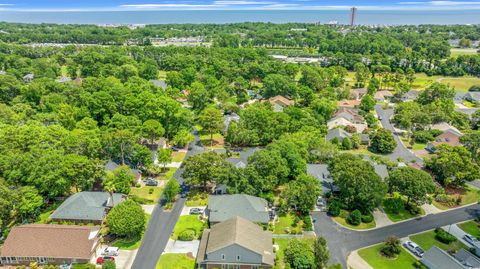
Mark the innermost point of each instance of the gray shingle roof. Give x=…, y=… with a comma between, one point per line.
x=224, y=207
x=87, y=206
x=381, y=170
x=338, y=133
x=112, y=166
x=467, y=259
x=436, y=258
x=159, y=83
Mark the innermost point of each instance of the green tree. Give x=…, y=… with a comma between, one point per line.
x=414, y=184
x=296, y=197
x=164, y=156
x=171, y=190
x=183, y=138
x=322, y=254
x=206, y=167
x=211, y=121
x=119, y=180
x=152, y=130
x=126, y=219
x=368, y=103
x=109, y=265
x=299, y=254
x=391, y=247
x=382, y=141
x=29, y=201
x=471, y=141
x=347, y=144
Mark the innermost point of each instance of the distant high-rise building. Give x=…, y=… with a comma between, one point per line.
x=353, y=16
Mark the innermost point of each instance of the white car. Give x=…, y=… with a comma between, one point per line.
x=414, y=248
x=110, y=251
x=470, y=239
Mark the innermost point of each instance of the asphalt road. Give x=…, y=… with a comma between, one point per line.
x=162, y=223
x=342, y=241
x=400, y=151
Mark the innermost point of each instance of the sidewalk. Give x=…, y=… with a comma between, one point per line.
x=354, y=261
x=381, y=219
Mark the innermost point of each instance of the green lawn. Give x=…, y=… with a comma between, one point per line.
x=144, y=193
x=403, y=214
x=455, y=52
x=218, y=140
x=470, y=196
x=419, y=146
x=373, y=257
x=189, y=222
x=362, y=226
x=427, y=240
x=461, y=84
x=178, y=156
x=131, y=244
x=196, y=198
x=284, y=225
x=175, y=261
x=471, y=227
x=167, y=174
x=282, y=245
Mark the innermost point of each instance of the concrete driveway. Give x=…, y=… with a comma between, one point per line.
x=176, y=246
x=457, y=232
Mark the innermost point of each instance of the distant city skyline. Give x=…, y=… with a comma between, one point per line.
x=138, y=5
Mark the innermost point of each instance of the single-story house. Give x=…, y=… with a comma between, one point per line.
x=381, y=170
x=467, y=258
x=339, y=121
x=86, y=207
x=410, y=96
x=227, y=119
x=63, y=79
x=111, y=166
x=237, y=162
x=436, y=258
x=236, y=243
x=224, y=207
x=338, y=133
x=472, y=97
x=467, y=111
x=350, y=114
x=348, y=103
x=359, y=93
x=50, y=244
x=280, y=102
x=159, y=83
x=28, y=78
x=382, y=96
x=320, y=172
x=449, y=137
x=443, y=126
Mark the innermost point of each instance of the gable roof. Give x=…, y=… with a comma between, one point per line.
x=338, y=121
x=90, y=206
x=338, y=133
x=224, y=207
x=444, y=126
x=47, y=240
x=348, y=103
x=237, y=162
x=467, y=259
x=449, y=137
x=350, y=114
x=358, y=93
x=112, y=166
x=159, y=83
x=281, y=100
x=436, y=258
x=241, y=232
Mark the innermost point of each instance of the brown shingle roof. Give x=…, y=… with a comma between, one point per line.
x=56, y=241
x=448, y=137
x=348, y=103
x=282, y=100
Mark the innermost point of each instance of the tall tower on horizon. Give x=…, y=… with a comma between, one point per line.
x=353, y=16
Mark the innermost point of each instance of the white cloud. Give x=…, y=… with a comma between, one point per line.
x=442, y=3
x=225, y=2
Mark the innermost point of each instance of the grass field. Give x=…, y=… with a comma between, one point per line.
x=131, y=244
x=285, y=223
x=461, y=84
x=178, y=156
x=175, y=261
x=373, y=257
x=427, y=240
x=342, y=220
x=143, y=192
x=455, y=52
x=188, y=222
x=167, y=174
x=282, y=245
x=196, y=198
x=471, y=227
x=403, y=214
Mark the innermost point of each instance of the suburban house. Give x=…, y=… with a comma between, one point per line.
x=381, y=170
x=468, y=259
x=382, y=96
x=449, y=137
x=342, y=122
x=348, y=103
x=224, y=207
x=338, y=133
x=435, y=258
x=236, y=243
x=320, y=172
x=350, y=114
x=279, y=103
x=28, y=78
x=473, y=97
x=63, y=79
x=359, y=93
x=86, y=207
x=443, y=126
x=159, y=83
x=410, y=96
x=111, y=166
x=237, y=162
x=227, y=119
x=50, y=244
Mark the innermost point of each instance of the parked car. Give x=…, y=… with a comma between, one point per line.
x=321, y=203
x=102, y=260
x=470, y=239
x=196, y=211
x=110, y=251
x=414, y=248
x=151, y=182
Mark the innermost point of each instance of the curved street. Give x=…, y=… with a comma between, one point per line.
x=342, y=241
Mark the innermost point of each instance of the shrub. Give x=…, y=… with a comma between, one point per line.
x=367, y=218
x=394, y=205
x=355, y=217
x=391, y=247
x=334, y=209
x=413, y=209
x=187, y=235
x=109, y=265
x=423, y=136
x=307, y=220
x=150, y=191
x=445, y=199
x=443, y=236
x=127, y=219
x=138, y=185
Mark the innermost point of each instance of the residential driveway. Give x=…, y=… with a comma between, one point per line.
x=162, y=222
x=342, y=241
x=176, y=246
x=457, y=232
x=400, y=151
x=186, y=209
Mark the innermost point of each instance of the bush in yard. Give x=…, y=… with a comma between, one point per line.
x=334, y=209
x=307, y=223
x=187, y=235
x=413, y=209
x=367, y=218
x=382, y=141
x=109, y=265
x=443, y=236
x=299, y=254
x=171, y=190
x=394, y=205
x=391, y=247
x=355, y=217
x=126, y=219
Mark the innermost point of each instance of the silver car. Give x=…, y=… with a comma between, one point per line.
x=414, y=248
x=470, y=239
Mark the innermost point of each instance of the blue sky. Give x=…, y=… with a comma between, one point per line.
x=80, y=5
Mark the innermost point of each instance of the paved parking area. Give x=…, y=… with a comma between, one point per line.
x=176, y=246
